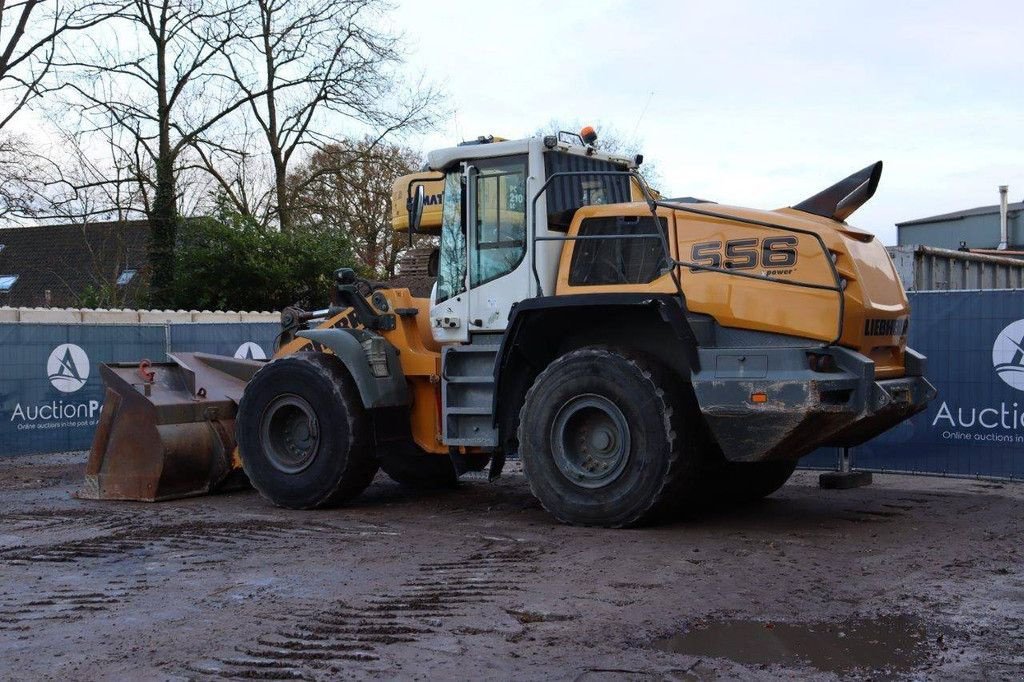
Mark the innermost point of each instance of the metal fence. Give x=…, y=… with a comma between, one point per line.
x=51, y=392
x=50, y=387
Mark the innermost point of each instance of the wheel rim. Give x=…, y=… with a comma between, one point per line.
x=590, y=441
x=290, y=433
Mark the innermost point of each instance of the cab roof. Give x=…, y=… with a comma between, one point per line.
x=443, y=159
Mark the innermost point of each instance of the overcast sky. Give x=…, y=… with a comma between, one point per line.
x=754, y=103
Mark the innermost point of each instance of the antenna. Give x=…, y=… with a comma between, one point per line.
x=643, y=113
x=458, y=131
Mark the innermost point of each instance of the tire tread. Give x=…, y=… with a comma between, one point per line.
x=360, y=464
x=683, y=462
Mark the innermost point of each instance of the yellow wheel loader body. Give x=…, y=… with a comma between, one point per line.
x=784, y=304
x=762, y=334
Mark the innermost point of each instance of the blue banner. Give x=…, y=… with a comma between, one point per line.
x=50, y=386
x=253, y=340
x=51, y=392
x=974, y=341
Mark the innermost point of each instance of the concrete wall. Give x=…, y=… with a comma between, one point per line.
x=125, y=316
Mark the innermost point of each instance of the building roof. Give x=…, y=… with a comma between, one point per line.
x=69, y=260
x=960, y=215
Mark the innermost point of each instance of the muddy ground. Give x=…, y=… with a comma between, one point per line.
x=909, y=578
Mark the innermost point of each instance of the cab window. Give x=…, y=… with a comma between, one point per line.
x=616, y=259
x=451, y=269
x=499, y=237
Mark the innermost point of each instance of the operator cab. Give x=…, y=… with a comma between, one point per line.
x=489, y=209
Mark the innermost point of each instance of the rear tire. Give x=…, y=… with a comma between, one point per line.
x=303, y=434
x=608, y=439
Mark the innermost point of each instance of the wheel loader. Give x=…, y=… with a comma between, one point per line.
x=639, y=354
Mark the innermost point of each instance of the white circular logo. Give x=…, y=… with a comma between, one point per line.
x=68, y=368
x=1008, y=355
x=250, y=351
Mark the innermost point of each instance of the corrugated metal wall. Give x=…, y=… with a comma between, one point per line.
x=925, y=268
x=979, y=231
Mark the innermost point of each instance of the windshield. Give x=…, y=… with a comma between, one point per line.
x=451, y=270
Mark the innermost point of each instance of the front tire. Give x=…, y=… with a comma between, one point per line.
x=608, y=439
x=303, y=434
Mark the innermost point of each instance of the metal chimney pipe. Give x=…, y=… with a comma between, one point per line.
x=1003, y=236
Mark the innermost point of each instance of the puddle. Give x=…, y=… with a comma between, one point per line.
x=889, y=645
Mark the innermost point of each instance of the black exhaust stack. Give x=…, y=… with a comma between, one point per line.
x=840, y=200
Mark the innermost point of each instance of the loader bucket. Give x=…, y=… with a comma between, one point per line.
x=167, y=430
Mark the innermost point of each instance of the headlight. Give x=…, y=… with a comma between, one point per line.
x=376, y=355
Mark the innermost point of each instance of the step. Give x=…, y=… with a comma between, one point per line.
x=469, y=410
x=482, y=379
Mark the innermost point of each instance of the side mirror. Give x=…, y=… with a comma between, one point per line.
x=416, y=210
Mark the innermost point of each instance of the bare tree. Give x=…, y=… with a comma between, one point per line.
x=305, y=65
x=91, y=179
x=166, y=89
x=347, y=187
x=19, y=170
x=92, y=184
x=31, y=32
x=238, y=172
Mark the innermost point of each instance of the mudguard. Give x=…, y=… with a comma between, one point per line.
x=347, y=345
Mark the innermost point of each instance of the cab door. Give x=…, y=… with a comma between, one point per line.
x=449, y=310
x=498, y=271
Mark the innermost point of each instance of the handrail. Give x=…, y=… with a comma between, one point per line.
x=647, y=195
x=675, y=263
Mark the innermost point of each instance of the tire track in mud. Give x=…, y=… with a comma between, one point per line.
x=111, y=537
x=48, y=520
x=24, y=613
x=425, y=609
x=890, y=513
x=121, y=535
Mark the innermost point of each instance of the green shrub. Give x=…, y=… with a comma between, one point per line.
x=230, y=262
